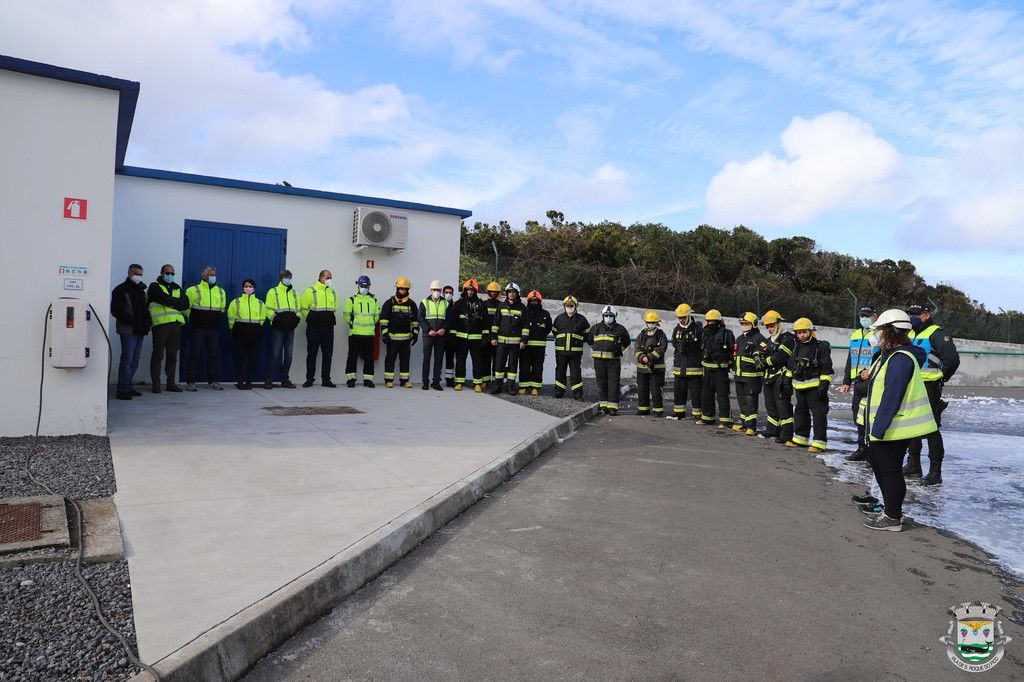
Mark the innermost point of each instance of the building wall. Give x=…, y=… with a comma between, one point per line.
x=57, y=140
x=149, y=223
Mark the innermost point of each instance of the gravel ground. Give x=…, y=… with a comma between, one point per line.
x=49, y=630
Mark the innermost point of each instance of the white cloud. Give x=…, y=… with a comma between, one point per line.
x=831, y=161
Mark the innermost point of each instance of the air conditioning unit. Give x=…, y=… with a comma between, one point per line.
x=379, y=228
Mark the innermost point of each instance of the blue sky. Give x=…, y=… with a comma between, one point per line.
x=881, y=129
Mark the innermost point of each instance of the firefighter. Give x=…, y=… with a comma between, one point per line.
x=467, y=317
x=717, y=344
x=362, y=312
x=399, y=331
x=855, y=375
x=651, y=345
x=493, y=302
x=687, y=370
x=451, y=341
x=778, y=388
x=748, y=372
x=571, y=329
x=532, y=348
x=941, y=364
x=506, y=335
x=810, y=369
x=607, y=340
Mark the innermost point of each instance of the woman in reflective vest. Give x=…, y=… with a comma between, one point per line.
x=246, y=315
x=894, y=411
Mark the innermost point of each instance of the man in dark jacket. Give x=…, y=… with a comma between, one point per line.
x=687, y=372
x=571, y=329
x=536, y=327
x=128, y=306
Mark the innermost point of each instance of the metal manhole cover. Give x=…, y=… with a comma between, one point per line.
x=282, y=411
x=20, y=522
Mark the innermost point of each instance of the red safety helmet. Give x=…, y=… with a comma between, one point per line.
x=470, y=283
x=534, y=294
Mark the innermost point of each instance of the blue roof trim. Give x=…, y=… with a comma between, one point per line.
x=175, y=176
x=129, y=94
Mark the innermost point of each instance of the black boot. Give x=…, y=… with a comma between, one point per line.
x=934, y=476
x=495, y=387
x=859, y=455
x=913, y=467
x=559, y=392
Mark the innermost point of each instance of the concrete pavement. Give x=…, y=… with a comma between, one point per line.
x=222, y=503
x=648, y=549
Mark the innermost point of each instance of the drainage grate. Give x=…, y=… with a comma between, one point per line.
x=281, y=411
x=20, y=522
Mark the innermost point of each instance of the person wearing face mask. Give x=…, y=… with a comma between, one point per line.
x=748, y=372
x=129, y=308
x=205, y=315
x=246, y=315
x=451, y=342
x=533, y=347
x=810, y=369
x=571, y=329
x=506, y=335
x=167, y=306
x=432, y=312
x=778, y=388
x=855, y=375
x=490, y=352
x=399, y=331
x=941, y=362
x=608, y=339
x=467, y=318
x=651, y=345
x=283, y=314
x=318, y=305
x=686, y=368
x=362, y=312
x=717, y=344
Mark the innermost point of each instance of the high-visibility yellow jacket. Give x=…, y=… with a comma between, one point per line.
x=913, y=418
x=318, y=306
x=246, y=309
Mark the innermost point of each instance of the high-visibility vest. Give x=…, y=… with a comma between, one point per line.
x=362, y=312
x=281, y=299
x=932, y=369
x=246, y=308
x=913, y=418
x=861, y=351
x=209, y=297
x=163, y=314
x=435, y=310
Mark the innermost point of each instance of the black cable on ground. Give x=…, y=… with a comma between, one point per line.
x=80, y=521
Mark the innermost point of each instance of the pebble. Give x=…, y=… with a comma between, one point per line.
x=27, y=583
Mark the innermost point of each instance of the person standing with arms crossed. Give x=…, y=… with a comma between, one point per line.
x=167, y=306
x=283, y=314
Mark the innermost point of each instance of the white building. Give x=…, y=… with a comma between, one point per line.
x=74, y=217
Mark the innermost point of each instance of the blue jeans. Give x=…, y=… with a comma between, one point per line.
x=131, y=348
x=280, y=340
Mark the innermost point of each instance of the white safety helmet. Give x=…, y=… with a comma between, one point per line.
x=512, y=286
x=435, y=284
x=895, y=317
x=608, y=310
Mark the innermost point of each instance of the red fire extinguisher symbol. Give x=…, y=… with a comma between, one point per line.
x=75, y=208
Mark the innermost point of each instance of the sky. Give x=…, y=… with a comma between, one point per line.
x=879, y=129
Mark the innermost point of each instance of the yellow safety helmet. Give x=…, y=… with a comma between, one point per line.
x=803, y=325
x=771, y=317
x=494, y=286
x=749, y=317
x=683, y=310
x=713, y=315
x=651, y=316
x=403, y=283
x=570, y=300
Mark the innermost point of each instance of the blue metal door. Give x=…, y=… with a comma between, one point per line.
x=238, y=252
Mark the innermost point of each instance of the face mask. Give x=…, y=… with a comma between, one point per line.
x=570, y=310
x=608, y=319
x=328, y=282
x=652, y=325
x=363, y=290
x=435, y=294
x=875, y=339
x=286, y=281
x=169, y=279
x=865, y=322
x=137, y=279
x=212, y=279
x=248, y=290
x=448, y=297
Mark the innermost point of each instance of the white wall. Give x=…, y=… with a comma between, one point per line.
x=149, y=223
x=57, y=140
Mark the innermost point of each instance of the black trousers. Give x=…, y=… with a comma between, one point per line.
x=531, y=367
x=451, y=347
x=859, y=391
x=810, y=404
x=433, y=347
x=489, y=360
x=166, y=340
x=569, y=364
x=474, y=349
x=399, y=349
x=936, y=450
x=748, y=395
x=203, y=341
x=780, y=411
x=247, y=348
x=608, y=373
x=650, y=387
x=686, y=387
x=319, y=339
x=715, y=393
x=886, y=458
x=506, y=362
x=359, y=346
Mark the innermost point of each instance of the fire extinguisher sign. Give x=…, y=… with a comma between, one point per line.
x=75, y=208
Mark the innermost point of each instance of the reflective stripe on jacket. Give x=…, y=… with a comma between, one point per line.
x=608, y=341
x=653, y=344
x=399, y=319
x=570, y=333
x=246, y=309
x=163, y=314
x=932, y=370
x=913, y=418
x=862, y=353
x=281, y=299
x=361, y=312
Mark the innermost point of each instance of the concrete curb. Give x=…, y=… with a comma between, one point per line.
x=228, y=650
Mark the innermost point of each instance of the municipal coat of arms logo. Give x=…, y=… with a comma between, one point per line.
x=975, y=641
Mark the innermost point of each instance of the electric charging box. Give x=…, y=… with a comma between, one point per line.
x=69, y=333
